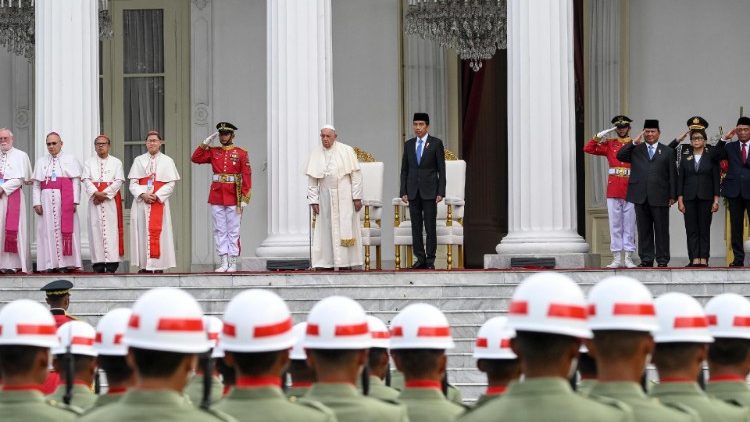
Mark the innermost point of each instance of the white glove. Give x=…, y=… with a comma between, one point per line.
x=212, y=137
x=604, y=133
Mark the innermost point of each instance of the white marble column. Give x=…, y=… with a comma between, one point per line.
x=67, y=81
x=300, y=101
x=541, y=163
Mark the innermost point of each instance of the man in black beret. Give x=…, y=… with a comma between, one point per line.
x=423, y=187
x=652, y=188
x=736, y=187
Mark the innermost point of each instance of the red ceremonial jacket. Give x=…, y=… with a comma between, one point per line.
x=617, y=184
x=230, y=161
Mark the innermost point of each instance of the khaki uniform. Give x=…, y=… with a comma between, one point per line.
x=152, y=405
x=269, y=404
x=378, y=390
x=104, y=400
x=485, y=398
x=29, y=405
x=351, y=406
x=429, y=405
x=296, y=393
x=453, y=394
x=731, y=391
x=547, y=399
x=689, y=394
x=194, y=389
x=584, y=386
x=83, y=397
x=645, y=409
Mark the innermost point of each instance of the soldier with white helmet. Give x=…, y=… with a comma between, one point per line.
x=164, y=336
x=301, y=374
x=420, y=335
x=495, y=358
x=681, y=348
x=196, y=386
x=623, y=319
x=548, y=312
x=27, y=335
x=75, y=361
x=112, y=352
x=729, y=355
x=336, y=340
x=378, y=361
x=256, y=340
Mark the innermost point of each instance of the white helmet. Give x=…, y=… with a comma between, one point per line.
x=421, y=326
x=550, y=303
x=379, y=332
x=27, y=323
x=493, y=340
x=167, y=319
x=79, y=335
x=337, y=322
x=621, y=303
x=257, y=321
x=729, y=316
x=214, y=327
x=298, y=351
x=109, y=332
x=681, y=319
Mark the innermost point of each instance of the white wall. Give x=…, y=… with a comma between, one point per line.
x=689, y=57
x=366, y=76
x=6, y=78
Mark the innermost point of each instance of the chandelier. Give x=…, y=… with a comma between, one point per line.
x=475, y=29
x=17, y=25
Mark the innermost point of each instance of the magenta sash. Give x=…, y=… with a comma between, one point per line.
x=67, y=208
x=12, y=218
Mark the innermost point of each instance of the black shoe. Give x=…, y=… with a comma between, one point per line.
x=419, y=265
x=737, y=264
x=646, y=264
x=143, y=270
x=690, y=264
x=429, y=267
x=662, y=264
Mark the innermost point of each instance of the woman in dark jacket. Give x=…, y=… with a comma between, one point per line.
x=698, y=195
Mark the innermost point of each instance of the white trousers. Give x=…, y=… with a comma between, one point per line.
x=621, y=225
x=226, y=229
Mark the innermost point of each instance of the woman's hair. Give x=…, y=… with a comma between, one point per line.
x=698, y=131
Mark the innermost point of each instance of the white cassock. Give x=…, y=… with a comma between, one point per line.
x=104, y=222
x=334, y=181
x=151, y=237
x=57, y=184
x=15, y=170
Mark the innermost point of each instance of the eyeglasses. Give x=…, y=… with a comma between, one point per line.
x=698, y=139
x=99, y=144
x=51, y=143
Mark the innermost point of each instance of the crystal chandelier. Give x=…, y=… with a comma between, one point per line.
x=475, y=29
x=17, y=25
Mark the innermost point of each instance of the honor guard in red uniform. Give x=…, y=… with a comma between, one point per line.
x=621, y=212
x=230, y=191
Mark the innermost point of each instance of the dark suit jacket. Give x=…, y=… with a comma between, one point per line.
x=737, y=181
x=700, y=184
x=426, y=180
x=652, y=182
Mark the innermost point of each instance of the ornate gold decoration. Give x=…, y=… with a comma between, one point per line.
x=364, y=156
x=450, y=155
x=347, y=242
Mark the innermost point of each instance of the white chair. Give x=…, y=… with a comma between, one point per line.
x=450, y=216
x=372, y=204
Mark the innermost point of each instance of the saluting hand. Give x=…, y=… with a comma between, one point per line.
x=684, y=134
x=638, y=138
x=730, y=134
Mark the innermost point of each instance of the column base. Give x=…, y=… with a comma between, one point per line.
x=562, y=261
x=284, y=246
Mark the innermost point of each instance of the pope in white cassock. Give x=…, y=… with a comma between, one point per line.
x=15, y=170
x=334, y=190
x=56, y=193
x=152, y=180
x=102, y=178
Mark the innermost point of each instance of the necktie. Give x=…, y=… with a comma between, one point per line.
x=419, y=152
x=744, y=153
x=650, y=152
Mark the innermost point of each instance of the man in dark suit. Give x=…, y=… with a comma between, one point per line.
x=652, y=188
x=423, y=187
x=736, y=187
